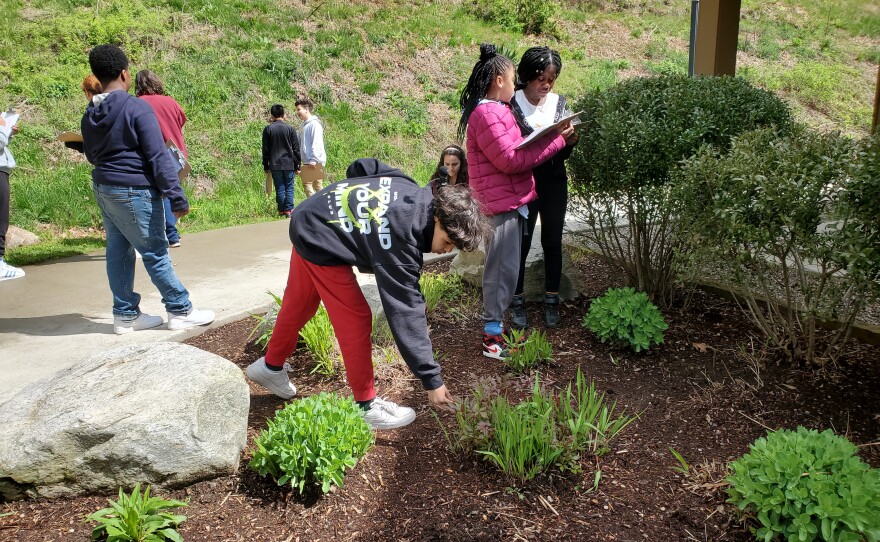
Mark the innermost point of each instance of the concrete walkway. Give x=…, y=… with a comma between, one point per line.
x=60, y=313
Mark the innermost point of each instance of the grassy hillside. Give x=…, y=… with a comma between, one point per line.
x=385, y=75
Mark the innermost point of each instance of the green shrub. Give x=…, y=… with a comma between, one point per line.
x=544, y=431
x=806, y=485
x=321, y=342
x=138, y=518
x=632, y=136
x=313, y=440
x=527, y=16
x=792, y=224
x=526, y=352
x=626, y=317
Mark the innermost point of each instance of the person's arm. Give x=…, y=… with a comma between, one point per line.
x=318, y=151
x=158, y=159
x=5, y=134
x=294, y=143
x=499, y=145
x=404, y=307
x=266, y=148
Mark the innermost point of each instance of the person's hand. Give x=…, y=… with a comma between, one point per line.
x=441, y=398
x=312, y=166
x=2, y=121
x=572, y=139
x=15, y=129
x=180, y=214
x=565, y=130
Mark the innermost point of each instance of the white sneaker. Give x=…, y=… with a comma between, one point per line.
x=384, y=414
x=143, y=320
x=196, y=317
x=9, y=272
x=275, y=381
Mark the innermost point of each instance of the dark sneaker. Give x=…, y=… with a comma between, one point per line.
x=552, y=319
x=385, y=414
x=494, y=347
x=518, y=318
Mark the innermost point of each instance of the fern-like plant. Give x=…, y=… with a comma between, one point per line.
x=313, y=440
x=138, y=518
x=626, y=317
x=807, y=485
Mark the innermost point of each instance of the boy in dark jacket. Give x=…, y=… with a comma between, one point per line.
x=133, y=172
x=381, y=221
x=281, y=158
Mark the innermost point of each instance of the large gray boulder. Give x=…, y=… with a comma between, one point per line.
x=165, y=413
x=470, y=266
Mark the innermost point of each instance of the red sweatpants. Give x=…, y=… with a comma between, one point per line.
x=309, y=284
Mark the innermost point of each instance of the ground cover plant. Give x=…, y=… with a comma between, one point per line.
x=526, y=350
x=138, y=517
x=372, y=68
x=312, y=441
x=626, y=317
x=807, y=485
x=524, y=437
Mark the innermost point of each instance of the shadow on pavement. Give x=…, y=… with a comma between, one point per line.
x=55, y=325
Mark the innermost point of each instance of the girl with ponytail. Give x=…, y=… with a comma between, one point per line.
x=501, y=179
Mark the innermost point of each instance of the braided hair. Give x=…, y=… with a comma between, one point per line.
x=490, y=65
x=533, y=63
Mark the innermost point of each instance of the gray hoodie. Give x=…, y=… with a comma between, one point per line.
x=7, y=162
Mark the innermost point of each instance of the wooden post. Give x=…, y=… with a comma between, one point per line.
x=717, y=33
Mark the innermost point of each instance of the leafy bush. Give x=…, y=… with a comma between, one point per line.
x=440, y=287
x=321, y=342
x=137, y=518
x=544, y=431
x=806, y=485
x=313, y=440
x=526, y=352
x=527, y=16
x=626, y=317
x=792, y=224
x=633, y=136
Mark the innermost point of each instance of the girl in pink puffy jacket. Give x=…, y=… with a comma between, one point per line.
x=501, y=179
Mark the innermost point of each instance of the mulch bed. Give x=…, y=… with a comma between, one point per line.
x=697, y=393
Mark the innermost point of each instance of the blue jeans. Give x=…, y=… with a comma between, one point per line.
x=170, y=223
x=134, y=219
x=283, y=189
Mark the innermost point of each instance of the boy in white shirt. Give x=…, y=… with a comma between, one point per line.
x=312, y=147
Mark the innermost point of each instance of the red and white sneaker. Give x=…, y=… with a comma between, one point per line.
x=494, y=346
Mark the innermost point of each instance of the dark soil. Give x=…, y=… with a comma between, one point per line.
x=696, y=393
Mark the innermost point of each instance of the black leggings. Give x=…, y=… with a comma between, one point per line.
x=551, y=204
x=4, y=210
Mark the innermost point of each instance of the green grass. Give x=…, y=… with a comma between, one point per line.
x=385, y=75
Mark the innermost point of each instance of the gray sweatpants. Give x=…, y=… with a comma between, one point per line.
x=501, y=269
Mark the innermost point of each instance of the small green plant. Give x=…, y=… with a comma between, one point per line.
x=807, y=485
x=312, y=440
x=440, y=287
x=626, y=317
x=683, y=467
x=526, y=352
x=137, y=518
x=265, y=323
x=320, y=340
x=544, y=431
